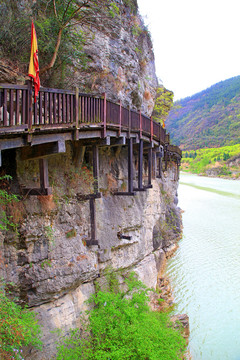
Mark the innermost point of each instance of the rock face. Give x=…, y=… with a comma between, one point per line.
x=121, y=64
x=52, y=268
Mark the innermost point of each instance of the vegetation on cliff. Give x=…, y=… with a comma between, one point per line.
x=18, y=328
x=121, y=326
x=207, y=119
x=63, y=29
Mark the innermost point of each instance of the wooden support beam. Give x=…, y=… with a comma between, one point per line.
x=44, y=189
x=149, y=185
x=166, y=156
x=154, y=164
x=122, y=236
x=36, y=191
x=78, y=153
x=130, y=165
x=122, y=193
x=83, y=197
x=43, y=150
x=43, y=169
x=93, y=219
x=95, y=168
x=140, y=165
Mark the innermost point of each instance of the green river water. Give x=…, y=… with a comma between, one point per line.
x=205, y=272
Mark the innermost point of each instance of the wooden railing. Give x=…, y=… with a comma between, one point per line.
x=56, y=108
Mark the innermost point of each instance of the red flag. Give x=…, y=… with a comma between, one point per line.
x=33, y=70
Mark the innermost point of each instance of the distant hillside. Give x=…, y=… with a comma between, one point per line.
x=207, y=119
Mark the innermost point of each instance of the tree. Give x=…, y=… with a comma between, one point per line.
x=163, y=104
x=64, y=15
x=63, y=27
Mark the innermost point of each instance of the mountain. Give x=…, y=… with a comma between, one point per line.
x=210, y=118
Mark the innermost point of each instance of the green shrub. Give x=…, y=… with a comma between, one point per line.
x=6, y=198
x=121, y=326
x=18, y=328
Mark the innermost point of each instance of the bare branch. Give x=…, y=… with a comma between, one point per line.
x=52, y=62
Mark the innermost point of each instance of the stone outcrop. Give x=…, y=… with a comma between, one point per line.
x=52, y=268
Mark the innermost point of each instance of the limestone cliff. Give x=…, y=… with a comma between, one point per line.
x=48, y=261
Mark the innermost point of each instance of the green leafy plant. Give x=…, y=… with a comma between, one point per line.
x=18, y=327
x=121, y=326
x=46, y=262
x=6, y=198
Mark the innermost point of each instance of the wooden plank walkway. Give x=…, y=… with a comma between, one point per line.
x=57, y=110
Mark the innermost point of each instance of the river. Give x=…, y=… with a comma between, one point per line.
x=205, y=272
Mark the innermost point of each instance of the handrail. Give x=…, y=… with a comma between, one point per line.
x=61, y=108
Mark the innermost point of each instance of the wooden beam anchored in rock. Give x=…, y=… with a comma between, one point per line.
x=42, y=151
x=44, y=189
x=130, y=191
x=95, y=168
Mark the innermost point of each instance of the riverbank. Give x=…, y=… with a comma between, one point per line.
x=221, y=162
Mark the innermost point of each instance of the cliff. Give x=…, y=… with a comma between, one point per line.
x=52, y=269
x=50, y=260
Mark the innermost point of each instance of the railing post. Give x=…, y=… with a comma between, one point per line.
x=120, y=118
x=76, y=113
x=129, y=121
x=151, y=129
x=29, y=104
x=104, y=133
x=140, y=123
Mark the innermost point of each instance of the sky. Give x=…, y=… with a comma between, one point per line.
x=196, y=42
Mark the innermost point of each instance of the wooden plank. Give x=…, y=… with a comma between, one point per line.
x=29, y=104
x=17, y=112
x=11, y=99
x=71, y=109
x=40, y=100
x=55, y=108
x=35, y=113
x=59, y=97
x=104, y=117
x=67, y=108
x=24, y=117
x=64, y=108
x=120, y=118
x=12, y=86
x=45, y=108
x=50, y=108
x=5, y=117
